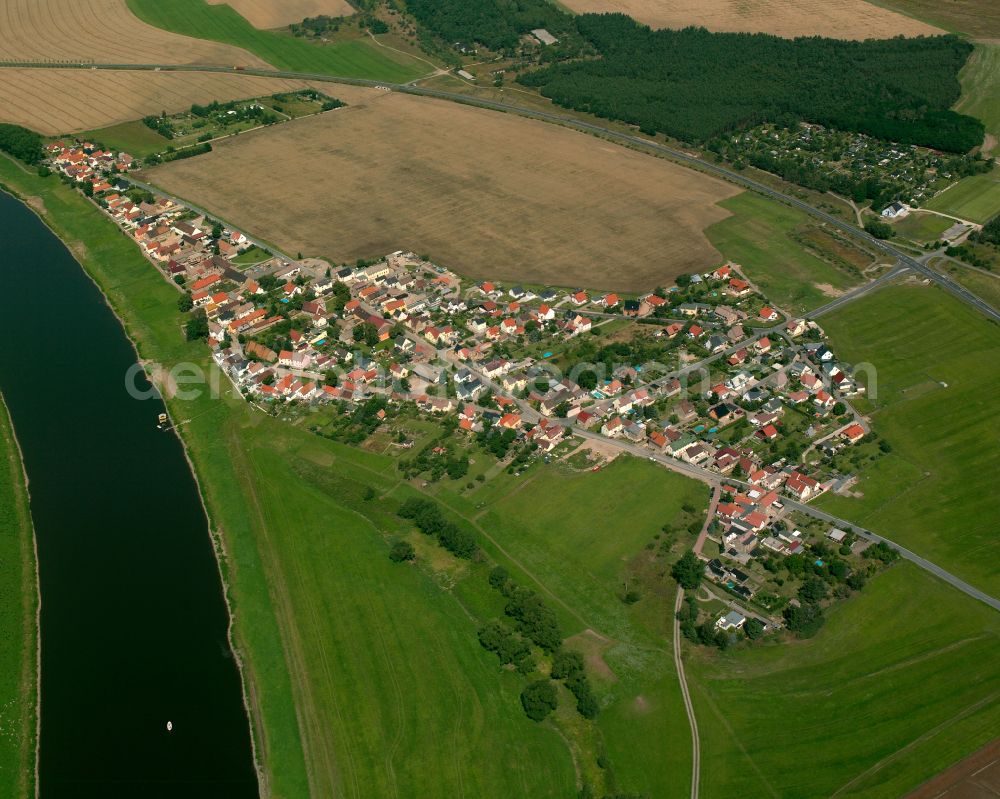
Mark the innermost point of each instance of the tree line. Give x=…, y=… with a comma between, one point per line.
x=536, y=622
x=693, y=85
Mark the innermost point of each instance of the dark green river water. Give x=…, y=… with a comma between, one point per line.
x=133, y=621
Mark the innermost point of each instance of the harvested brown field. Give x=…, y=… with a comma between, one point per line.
x=100, y=30
x=278, y=13
x=54, y=101
x=843, y=19
x=976, y=777
x=977, y=18
x=487, y=194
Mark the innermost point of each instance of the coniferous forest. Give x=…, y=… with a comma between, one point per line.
x=692, y=84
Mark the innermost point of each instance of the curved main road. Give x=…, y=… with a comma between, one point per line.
x=918, y=265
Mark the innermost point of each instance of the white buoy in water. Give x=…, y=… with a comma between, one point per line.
x=170, y=726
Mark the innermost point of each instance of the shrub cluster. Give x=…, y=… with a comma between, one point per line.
x=427, y=516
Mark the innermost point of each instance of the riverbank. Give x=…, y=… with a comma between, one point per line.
x=19, y=607
x=147, y=309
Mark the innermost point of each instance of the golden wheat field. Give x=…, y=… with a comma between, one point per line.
x=100, y=30
x=487, y=194
x=837, y=19
x=54, y=101
x=278, y=13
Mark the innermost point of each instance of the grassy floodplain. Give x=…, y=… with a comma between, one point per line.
x=938, y=368
x=360, y=58
x=976, y=198
x=766, y=238
x=900, y=683
x=18, y=622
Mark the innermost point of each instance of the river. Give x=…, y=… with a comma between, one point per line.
x=133, y=618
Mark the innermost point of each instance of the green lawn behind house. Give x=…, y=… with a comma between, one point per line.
x=359, y=58
x=762, y=237
x=937, y=363
x=18, y=628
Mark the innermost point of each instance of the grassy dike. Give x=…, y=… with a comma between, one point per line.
x=363, y=677
x=18, y=622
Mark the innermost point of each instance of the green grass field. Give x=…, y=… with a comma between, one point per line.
x=899, y=684
x=577, y=536
x=980, y=78
x=976, y=198
x=18, y=629
x=133, y=137
x=920, y=227
x=360, y=58
x=759, y=236
x=937, y=363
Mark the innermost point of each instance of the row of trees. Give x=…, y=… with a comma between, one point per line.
x=990, y=234
x=536, y=622
x=693, y=84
